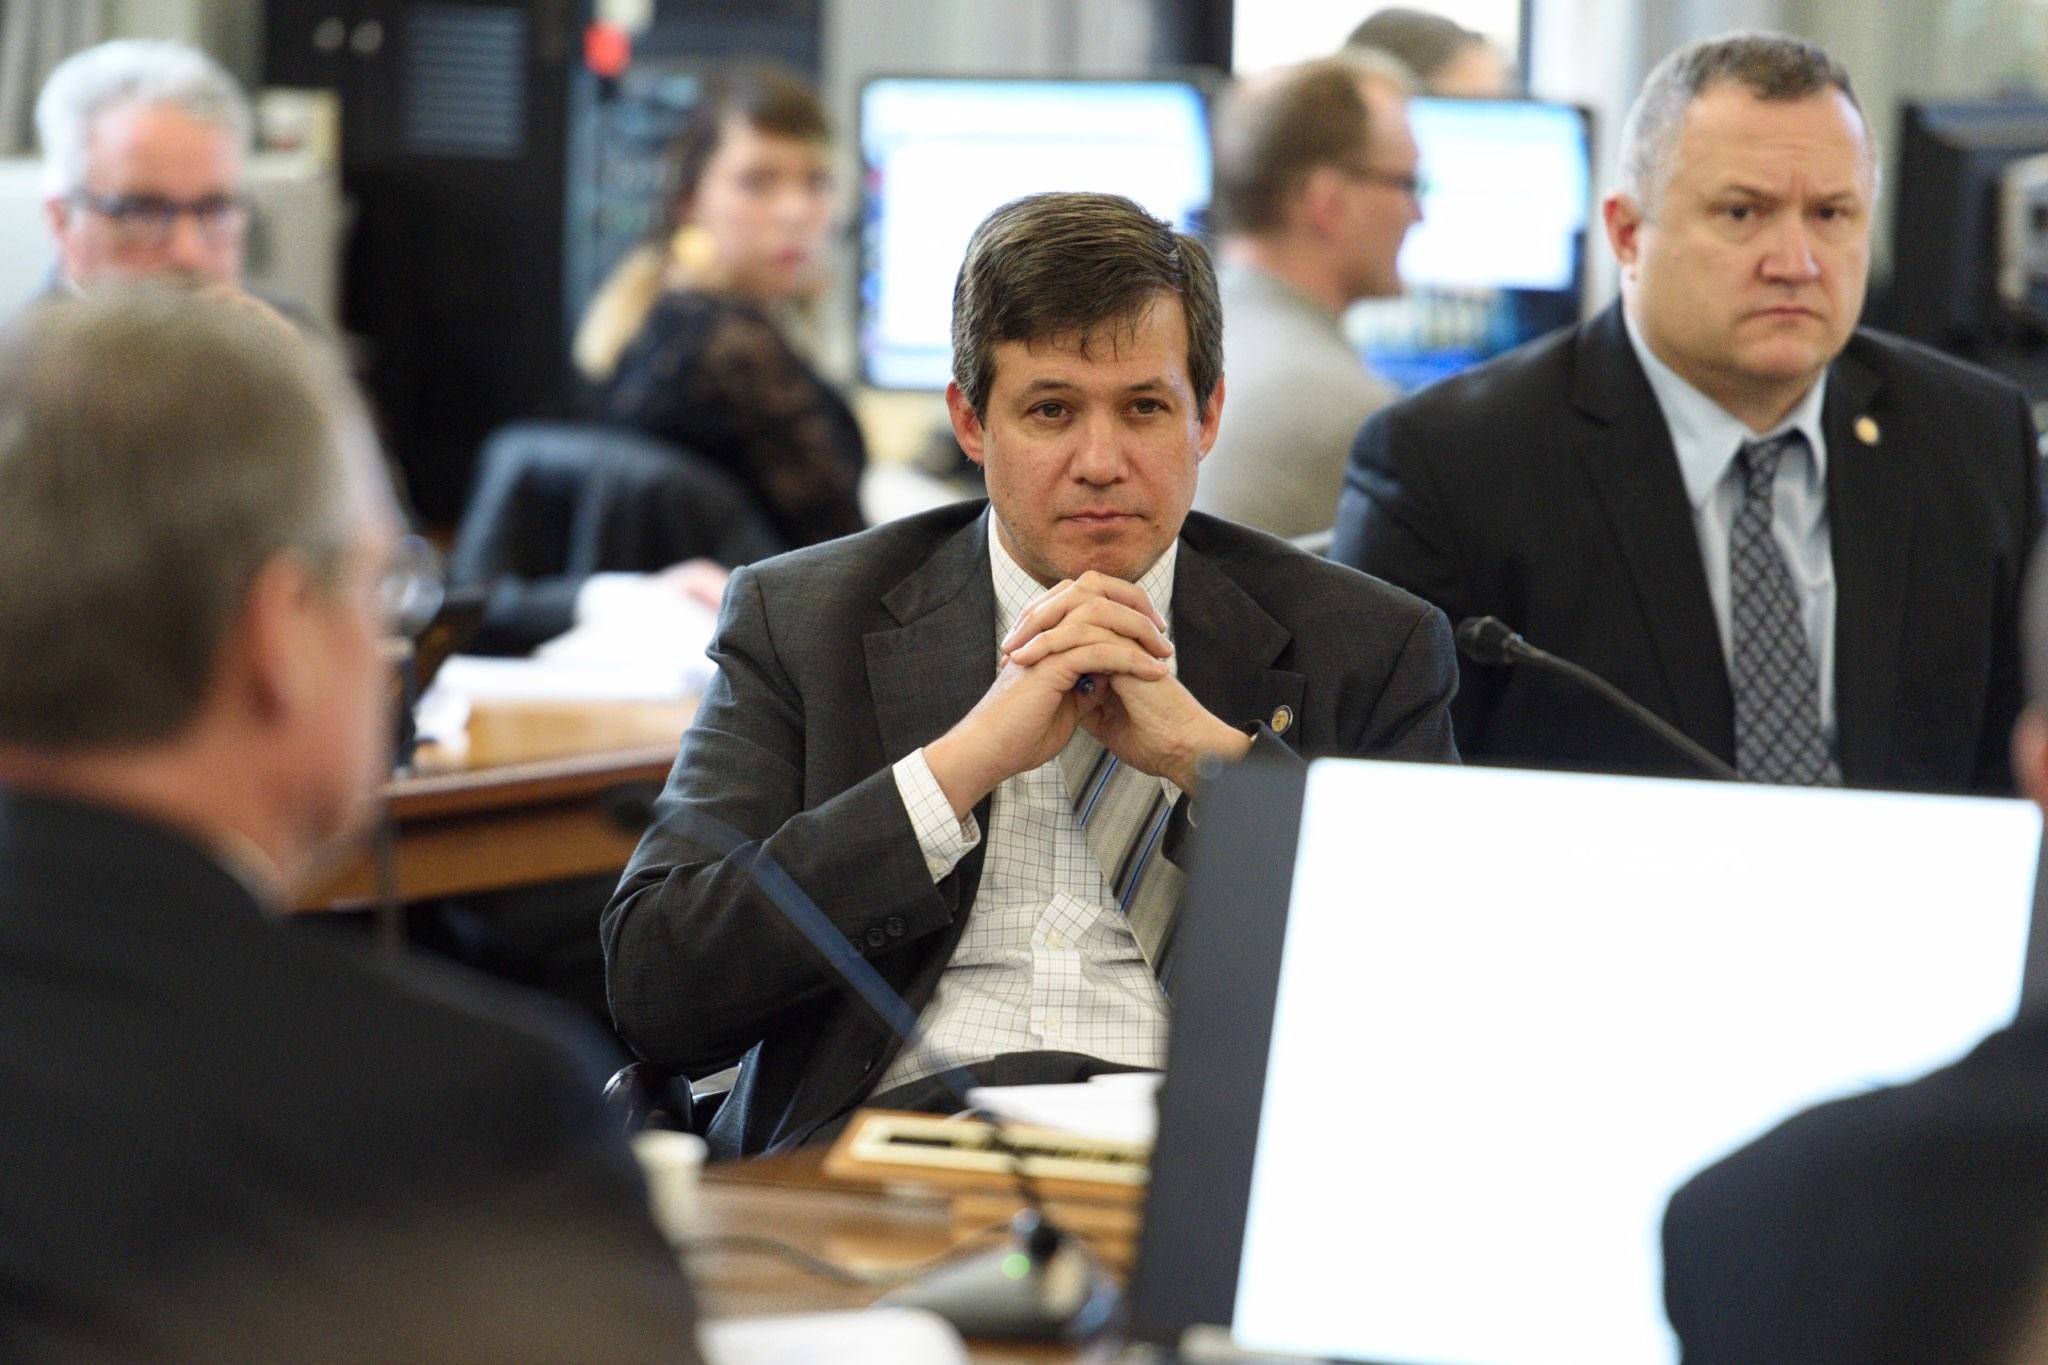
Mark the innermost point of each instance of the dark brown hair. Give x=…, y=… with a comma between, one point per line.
x=1271, y=132
x=1073, y=265
x=769, y=99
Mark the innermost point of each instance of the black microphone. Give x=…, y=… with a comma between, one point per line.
x=1490, y=640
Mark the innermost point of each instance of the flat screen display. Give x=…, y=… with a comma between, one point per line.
x=1499, y=257
x=1508, y=192
x=1517, y=1010
x=940, y=153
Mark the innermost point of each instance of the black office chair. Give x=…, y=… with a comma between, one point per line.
x=555, y=502
x=643, y=1095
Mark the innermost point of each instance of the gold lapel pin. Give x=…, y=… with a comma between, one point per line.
x=1283, y=716
x=1867, y=432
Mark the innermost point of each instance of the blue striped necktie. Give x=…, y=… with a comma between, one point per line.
x=1124, y=813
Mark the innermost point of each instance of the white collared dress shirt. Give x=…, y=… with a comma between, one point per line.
x=1046, y=962
x=1707, y=438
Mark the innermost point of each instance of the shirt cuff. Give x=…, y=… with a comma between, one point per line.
x=943, y=839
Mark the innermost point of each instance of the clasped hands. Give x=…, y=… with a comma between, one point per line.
x=1091, y=652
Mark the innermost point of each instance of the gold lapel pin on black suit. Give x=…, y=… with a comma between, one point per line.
x=1867, y=430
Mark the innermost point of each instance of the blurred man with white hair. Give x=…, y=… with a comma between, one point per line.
x=144, y=148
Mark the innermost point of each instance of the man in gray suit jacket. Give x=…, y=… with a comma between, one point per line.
x=971, y=738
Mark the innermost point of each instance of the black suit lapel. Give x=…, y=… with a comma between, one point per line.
x=927, y=672
x=1626, y=449
x=1227, y=643
x=930, y=669
x=924, y=674
x=1871, y=516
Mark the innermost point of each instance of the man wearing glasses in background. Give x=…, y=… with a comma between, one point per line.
x=1315, y=192
x=144, y=146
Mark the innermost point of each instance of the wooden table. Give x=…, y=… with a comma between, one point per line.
x=788, y=1198
x=543, y=791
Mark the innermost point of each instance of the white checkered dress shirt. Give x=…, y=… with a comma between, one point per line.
x=1046, y=962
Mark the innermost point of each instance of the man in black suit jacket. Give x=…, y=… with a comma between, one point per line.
x=223, y=1140
x=1901, y=1226
x=1908, y=1224
x=1586, y=489
x=885, y=734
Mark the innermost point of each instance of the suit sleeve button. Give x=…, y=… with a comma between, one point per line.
x=895, y=926
x=876, y=938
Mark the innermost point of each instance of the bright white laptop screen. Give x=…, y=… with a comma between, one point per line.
x=1508, y=191
x=941, y=153
x=1517, y=1010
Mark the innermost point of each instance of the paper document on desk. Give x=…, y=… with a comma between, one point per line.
x=649, y=649
x=1122, y=1106
x=634, y=623
x=477, y=679
x=874, y=1336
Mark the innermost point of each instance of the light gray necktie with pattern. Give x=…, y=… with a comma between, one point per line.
x=1778, y=736
x=1123, y=813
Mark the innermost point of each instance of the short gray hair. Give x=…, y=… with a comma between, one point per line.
x=123, y=72
x=158, y=447
x=1771, y=66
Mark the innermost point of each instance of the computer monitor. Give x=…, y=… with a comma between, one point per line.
x=1446, y=1040
x=939, y=153
x=1499, y=257
x=1946, y=246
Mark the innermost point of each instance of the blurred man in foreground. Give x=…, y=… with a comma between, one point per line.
x=221, y=1138
x=1316, y=188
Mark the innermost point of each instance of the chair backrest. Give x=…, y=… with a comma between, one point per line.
x=571, y=498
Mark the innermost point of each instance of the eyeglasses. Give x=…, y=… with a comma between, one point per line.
x=148, y=220
x=411, y=589
x=1407, y=182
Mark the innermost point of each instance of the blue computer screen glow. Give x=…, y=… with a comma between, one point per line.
x=939, y=154
x=1508, y=190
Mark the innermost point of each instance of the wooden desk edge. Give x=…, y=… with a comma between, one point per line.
x=426, y=796
x=439, y=816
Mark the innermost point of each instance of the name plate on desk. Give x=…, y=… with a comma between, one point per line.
x=1092, y=1187
x=886, y=1145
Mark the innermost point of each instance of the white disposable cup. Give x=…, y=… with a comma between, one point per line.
x=671, y=1162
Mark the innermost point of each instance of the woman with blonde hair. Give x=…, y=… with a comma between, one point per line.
x=686, y=339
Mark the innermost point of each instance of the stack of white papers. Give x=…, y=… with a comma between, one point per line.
x=1120, y=1107
x=476, y=679
x=636, y=642
x=875, y=1336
